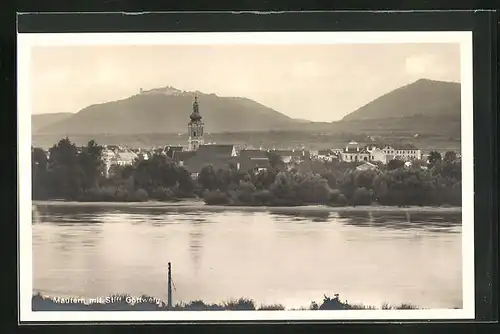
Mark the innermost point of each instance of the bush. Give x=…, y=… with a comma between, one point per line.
x=362, y=196
x=337, y=198
x=105, y=194
x=263, y=197
x=245, y=192
x=141, y=195
x=273, y=307
x=313, y=189
x=163, y=194
x=215, y=197
x=332, y=303
x=242, y=304
x=342, y=200
x=122, y=194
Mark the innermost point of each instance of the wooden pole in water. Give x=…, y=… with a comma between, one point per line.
x=169, y=301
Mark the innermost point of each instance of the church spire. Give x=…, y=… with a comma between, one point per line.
x=195, y=115
x=195, y=127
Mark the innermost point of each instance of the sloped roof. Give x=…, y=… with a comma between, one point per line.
x=287, y=153
x=169, y=150
x=355, y=150
x=173, y=148
x=215, y=150
x=247, y=164
x=253, y=154
x=183, y=155
x=195, y=163
x=402, y=147
x=126, y=156
x=325, y=152
x=366, y=165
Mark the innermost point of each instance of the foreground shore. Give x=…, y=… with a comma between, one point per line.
x=194, y=204
x=125, y=302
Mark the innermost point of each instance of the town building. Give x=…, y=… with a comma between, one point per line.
x=352, y=153
x=366, y=166
x=377, y=154
x=169, y=151
x=195, y=127
x=403, y=152
x=218, y=156
x=290, y=156
x=253, y=161
x=325, y=155
x=199, y=154
x=115, y=155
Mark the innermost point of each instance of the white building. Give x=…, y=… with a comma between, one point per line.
x=366, y=166
x=353, y=153
x=112, y=155
x=325, y=155
x=403, y=153
x=377, y=154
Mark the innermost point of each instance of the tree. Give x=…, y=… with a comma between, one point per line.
x=434, y=158
x=362, y=196
x=65, y=173
x=208, y=178
x=347, y=184
x=364, y=179
x=284, y=188
x=275, y=161
x=263, y=179
x=450, y=156
x=158, y=171
x=92, y=165
x=331, y=178
x=39, y=175
x=313, y=189
x=395, y=164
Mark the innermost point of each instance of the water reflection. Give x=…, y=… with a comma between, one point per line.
x=287, y=256
x=301, y=216
x=196, y=242
x=450, y=223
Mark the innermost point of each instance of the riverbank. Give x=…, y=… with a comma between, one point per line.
x=147, y=303
x=193, y=204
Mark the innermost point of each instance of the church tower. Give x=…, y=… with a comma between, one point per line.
x=195, y=127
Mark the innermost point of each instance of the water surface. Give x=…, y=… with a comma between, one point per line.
x=291, y=258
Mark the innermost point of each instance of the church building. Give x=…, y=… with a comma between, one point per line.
x=195, y=128
x=218, y=156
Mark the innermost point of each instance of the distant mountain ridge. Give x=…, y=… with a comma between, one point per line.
x=166, y=110
x=410, y=109
x=40, y=120
x=423, y=97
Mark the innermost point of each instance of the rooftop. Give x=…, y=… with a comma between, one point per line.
x=215, y=150
x=253, y=154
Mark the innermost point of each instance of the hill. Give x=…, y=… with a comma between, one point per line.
x=428, y=108
x=166, y=110
x=42, y=120
x=427, y=98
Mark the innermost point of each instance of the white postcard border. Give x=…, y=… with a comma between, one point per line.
x=26, y=41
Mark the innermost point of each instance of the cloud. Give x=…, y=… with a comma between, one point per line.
x=432, y=66
x=420, y=64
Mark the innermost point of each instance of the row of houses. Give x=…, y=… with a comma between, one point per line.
x=255, y=160
x=353, y=152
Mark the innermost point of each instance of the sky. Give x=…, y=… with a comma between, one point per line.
x=313, y=82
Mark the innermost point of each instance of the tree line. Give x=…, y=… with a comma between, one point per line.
x=78, y=173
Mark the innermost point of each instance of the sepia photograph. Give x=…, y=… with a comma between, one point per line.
x=312, y=175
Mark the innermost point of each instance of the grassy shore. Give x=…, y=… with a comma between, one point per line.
x=148, y=303
x=190, y=204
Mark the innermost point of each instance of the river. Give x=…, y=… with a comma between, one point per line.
x=291, y=257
